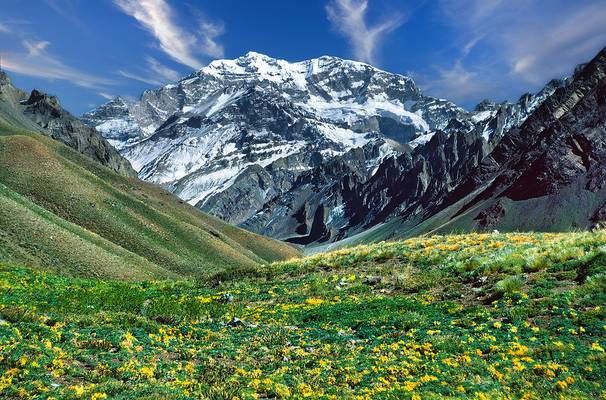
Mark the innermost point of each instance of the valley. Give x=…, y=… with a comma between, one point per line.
x=207, y=222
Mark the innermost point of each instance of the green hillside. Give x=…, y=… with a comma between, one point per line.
x=63, y=211
x=477, y=316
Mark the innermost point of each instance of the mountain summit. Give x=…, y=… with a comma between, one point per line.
x=262, y=142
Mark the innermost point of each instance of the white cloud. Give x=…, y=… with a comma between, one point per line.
x=140, y=78
x=457, y=76
x=210, y=32
x=475, y=12
x=535, y=39
x=459, y=83
x=68, y=10
x=506, y=48
x=162, y=71
x=35, y=48
x=156, y=73
x=468, y=47
x=553, y=46
x=157, y=17
x=348, y=17
x=4, y=28
x=106, y=95
x=35, y=60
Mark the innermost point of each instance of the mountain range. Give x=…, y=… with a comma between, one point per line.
x=330, y=150
x=70, y=203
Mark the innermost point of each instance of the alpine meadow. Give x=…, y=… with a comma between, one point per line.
x=406, y=200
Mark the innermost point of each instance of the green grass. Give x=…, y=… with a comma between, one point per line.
x=481, y=316
x=64, y=212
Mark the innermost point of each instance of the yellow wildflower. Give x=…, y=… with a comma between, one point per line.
x=410, y=386
x=305, y=390
x=78, y=390
x=314, y=301
x=595, y=346
x=147, y=372
x=282, y=390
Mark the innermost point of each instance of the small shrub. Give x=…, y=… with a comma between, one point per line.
x=511, y=284
x=228, y=275
x=471, y=264
x=537, y=262
x=564, y=254
x=411, y=281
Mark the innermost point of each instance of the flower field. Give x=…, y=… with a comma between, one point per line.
x=480, y=316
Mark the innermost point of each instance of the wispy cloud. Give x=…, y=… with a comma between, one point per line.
x=4, y=28
x=162, y=71
x=35, y=60
x=156, y=73
x=67, y=9
x=536, y=40
x=456, y=77
x=187, y=48
x=106, y=95
x=139, y=77
x=575, y=37
x=35, y=48
x=509, y=47
x=209, y=32
x=348, y=17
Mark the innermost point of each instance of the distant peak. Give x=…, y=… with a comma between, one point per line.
x=258, y=64
x=38, y=96
x=4, y=79
x=119, y=100
x=485, y=105
x=254, y=54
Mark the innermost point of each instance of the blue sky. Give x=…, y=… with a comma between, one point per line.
x=86, y=51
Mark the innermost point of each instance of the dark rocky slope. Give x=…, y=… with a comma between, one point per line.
x=43, y=113
x=549, y=174
x=562, y=146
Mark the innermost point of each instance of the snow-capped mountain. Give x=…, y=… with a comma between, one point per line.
x=245, y=139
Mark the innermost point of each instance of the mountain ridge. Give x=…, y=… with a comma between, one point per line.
x=545, y=175
x=65, y=211
x=253, y=141
x=42, y=113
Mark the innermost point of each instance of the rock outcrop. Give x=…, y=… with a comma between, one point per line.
x=43, y=113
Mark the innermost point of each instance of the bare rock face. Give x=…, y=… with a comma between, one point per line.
x=43, y=113
x=556, y=159
x=307, y=152
x=491, y=216
x=46, y=111
x=4, y=79
x=598, y=219
x=547, y=171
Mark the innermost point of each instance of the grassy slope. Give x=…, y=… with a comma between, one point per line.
x=63, y=211
x=482, y=316
x=568, y=210
x=10, y=114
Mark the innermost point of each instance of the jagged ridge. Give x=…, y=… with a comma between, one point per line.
x=266, y=144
